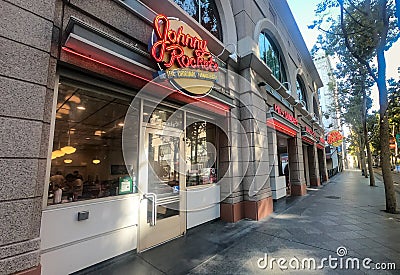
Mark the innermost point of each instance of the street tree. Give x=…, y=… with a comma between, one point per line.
x=367, y=28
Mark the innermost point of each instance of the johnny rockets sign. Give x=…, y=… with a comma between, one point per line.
x=334, y=138
x=285, y=114
x=183, y=55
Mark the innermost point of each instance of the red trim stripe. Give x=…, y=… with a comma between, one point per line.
x=273, y=123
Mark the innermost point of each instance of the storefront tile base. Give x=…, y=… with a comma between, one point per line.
x=31, y=271
x=315, y=182
x=299, y=190
x=232, y=212
x=257, y=210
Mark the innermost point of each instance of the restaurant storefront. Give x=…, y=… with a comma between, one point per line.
x=160, y=118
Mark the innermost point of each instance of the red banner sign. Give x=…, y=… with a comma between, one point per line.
x=285, y=114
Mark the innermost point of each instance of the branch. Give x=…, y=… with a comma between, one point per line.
x=340, y=34
x=348, y=46
x=357, y=8
x=351, y=16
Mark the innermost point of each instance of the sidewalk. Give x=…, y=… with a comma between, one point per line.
x=346, y=212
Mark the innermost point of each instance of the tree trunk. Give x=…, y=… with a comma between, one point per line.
x=384, y=134
x=365, y=130
x=362, y=157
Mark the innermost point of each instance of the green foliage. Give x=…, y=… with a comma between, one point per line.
x=355, y=32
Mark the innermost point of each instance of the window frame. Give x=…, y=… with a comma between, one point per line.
x=282, y=74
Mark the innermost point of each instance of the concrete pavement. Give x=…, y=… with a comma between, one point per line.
x=345, y=213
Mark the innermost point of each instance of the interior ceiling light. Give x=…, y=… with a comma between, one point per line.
x=74, y=99
x=121, y=124
x=97, y=133
x=81, y=108
x=58, y=153
x=67, y=161
x=53, y=156
x=63, y=109
x=68, y=149
x=96, y=161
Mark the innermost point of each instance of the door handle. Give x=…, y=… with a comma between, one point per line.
x=153, y=197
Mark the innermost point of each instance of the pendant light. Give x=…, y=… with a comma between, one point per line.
x=67, y=161
x=96, y=161
x=68, y=149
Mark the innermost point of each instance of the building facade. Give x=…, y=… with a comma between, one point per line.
x=328, y=98
x=126, y=123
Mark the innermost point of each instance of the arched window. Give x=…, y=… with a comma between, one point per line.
x=315, y=108
x=205, y=12
x=301, y=91
x=270, y=54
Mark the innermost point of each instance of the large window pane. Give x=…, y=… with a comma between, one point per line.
x=270, y=54
x=200, y=152
x=88, y=128
x=206, y=14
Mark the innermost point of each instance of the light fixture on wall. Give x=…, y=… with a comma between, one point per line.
x=67, y=161
x=68, y=149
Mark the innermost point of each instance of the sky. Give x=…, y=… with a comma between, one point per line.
x=303, y=12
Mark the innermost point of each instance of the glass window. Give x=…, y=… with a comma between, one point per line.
x=87, y=160
x=301, y=91
x=270, y=54
x=315, y=108
x=205, y=12
x=162, y=116
x=200, y=152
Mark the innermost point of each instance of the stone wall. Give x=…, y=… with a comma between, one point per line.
x=28, y=63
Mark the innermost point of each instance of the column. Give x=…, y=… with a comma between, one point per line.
x=314, y=165
x=296, y=166
x=230, y=157
x=27, y=82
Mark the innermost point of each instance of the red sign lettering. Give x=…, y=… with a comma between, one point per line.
x=171, y=44
x=310, y=131
x=285, y=114
x=335, y=138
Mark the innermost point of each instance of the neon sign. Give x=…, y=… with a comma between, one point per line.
x=169, y=49
x=285, y=114
x=310, y=131
x=334, y=138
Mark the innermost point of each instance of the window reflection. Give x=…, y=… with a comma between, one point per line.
x=200, y=153
x=90, y=122
x=301, y=91
x=205, y=12
x=270, y=54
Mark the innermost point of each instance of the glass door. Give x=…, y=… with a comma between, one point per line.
x=161, y=218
